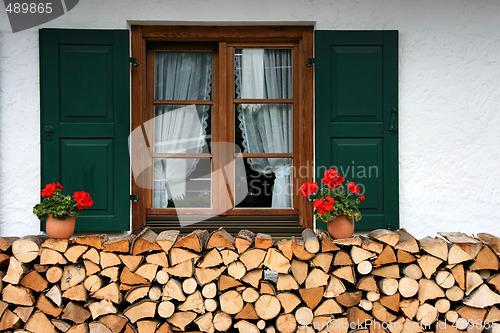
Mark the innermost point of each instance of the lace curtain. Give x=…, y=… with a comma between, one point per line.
x=179, y=129
x=266, y=128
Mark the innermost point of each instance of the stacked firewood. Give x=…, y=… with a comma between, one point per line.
x=384, y=282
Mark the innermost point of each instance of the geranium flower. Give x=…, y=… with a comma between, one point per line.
x=308, y=188
x=49, y=189
x=83, y=200
x=362, y=198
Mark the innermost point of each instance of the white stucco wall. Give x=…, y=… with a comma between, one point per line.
x=449, y=118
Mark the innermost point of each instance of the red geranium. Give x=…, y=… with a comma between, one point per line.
x=49, y=189
x=83, y=200
x=308, y=188
x=332, y=178
x=362, y=198
x=353, y=188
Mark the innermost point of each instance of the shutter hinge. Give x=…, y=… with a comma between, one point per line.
x=134, y=197
x=310, y=62
x=134, y=62
x=389, y=227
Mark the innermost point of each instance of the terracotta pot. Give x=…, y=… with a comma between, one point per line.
x=341, y=227
x=62, y=229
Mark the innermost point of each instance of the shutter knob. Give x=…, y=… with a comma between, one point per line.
x=49, y=131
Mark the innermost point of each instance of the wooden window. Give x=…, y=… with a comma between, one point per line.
x=248, y=92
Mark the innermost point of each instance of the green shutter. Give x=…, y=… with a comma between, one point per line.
x=356, y=117
x=85, y=120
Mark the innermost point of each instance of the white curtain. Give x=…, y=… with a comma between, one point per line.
x=266, y=128
x=179, y=129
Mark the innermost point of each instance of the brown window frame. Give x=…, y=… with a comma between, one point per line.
x=145, y=39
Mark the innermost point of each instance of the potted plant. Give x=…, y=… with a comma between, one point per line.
x=61, y=210
x=335, y=203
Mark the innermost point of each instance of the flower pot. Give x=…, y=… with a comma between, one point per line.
x=62, y=229
x=341, y=227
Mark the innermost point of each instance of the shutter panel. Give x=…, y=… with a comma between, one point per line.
x=356, y=117
x=85, y=121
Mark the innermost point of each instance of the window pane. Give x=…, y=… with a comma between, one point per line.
x=269, y=183
x=183, y=76
x=264, y=128
x=182, y=183
x=182, y=129
x=263, y=73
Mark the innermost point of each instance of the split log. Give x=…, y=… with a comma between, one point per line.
x=194, y=241
x=367, y=283
x=131, y=262
x=285, y=246
x=160, y=259
x=371, y=245
x=244, y=240
x=435, y=246
x=15, y=272
x=482, y=297
x=389, y=271
x=428, y=289
x=109, y=259
x=97, y=327
x=485, y=259
x=224, y=282
x=406, y=242
x=182, y=319
x=173, y=290
x=327, y=244
x=101, y=308
x=286, y=282
x=342, y=259
x=385, y=236
x=263, y=241
x=300, y=270
x=299, y=249
x=409, y=307
x=75, y=313
x=468, y=244
x=207, y=275
x=136, y=293
x=130, y=278
x=39, y=322
x=316, y=278
x=353, y=241
x=140, y=310
x=253, y=258
x=6, y=243
x=74, y=252
x=95, y=241
x=59, y=245
x=27, y=249
x=46, y=306
x=193, y=302
x=145, y=242
x=220, y=238
x=76, y=293
x=345, y=273
x=349, y=299
x=228, y=256
x=386, y=257
x=334, y=288
x=248, y=312
x=253, y=277
x=18, y=295
x=92, y=254
x=328, y=307
x=110, y=292
x=429, y=265
x=180, y=255
x=93, y=283
x=184, y=269
x=312, y=296
x=9, y=321
x=457, y=255
x=147, y=271
x=472, y=281
x=405, y=257
x=358, y=255
x=51, y=257
x=268, y=307
x=118, y=244
x=244, y=326
x=391, y=302
x=23, y=312
x=166, y=239
x=276, y=261
x=381, y=313
x=459, y=275
x=55, y=295
x=358, y=316
x=288, y=301
x=111, y=272
x=323, y=261
x=211, y=259
x=205, y=322
x=222, y=321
